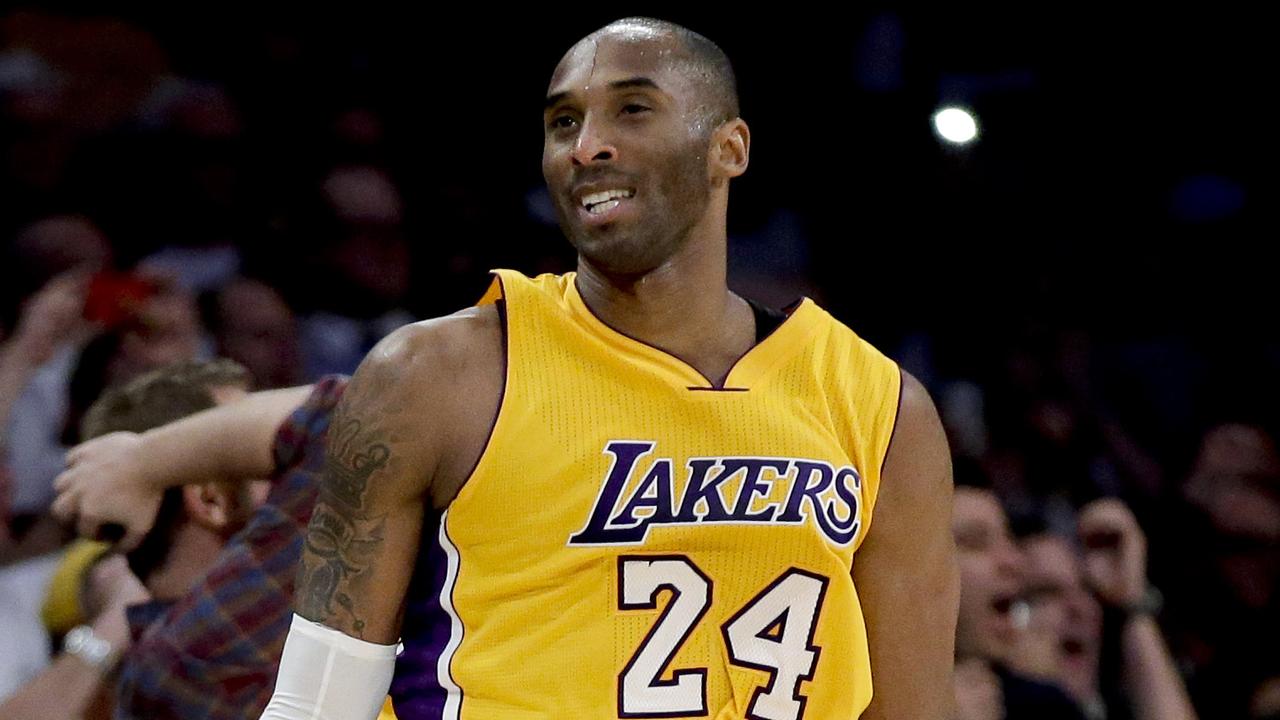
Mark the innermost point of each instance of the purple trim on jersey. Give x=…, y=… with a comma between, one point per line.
x=415, y=690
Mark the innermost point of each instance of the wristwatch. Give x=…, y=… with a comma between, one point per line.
x=82, y=642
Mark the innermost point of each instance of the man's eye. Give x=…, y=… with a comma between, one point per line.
x=634, y=109
x=1041, y=595
x=560, y=122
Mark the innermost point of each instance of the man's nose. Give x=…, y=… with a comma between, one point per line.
x=1009, y=559
x=591, y=146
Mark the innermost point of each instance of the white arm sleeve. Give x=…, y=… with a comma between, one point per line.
x=327, y=675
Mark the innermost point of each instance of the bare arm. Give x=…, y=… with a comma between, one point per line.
x=905, y=570
x=1116, y=568
x=228, y=442
x=119, y=478
x=1154, y=687
x=65, y=689
x=49, y=318
x=363, y=538
x=70, y=686
x=409, y=427
x=16, y=370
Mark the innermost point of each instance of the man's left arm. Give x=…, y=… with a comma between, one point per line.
x=905, y=570
x=1115, y=563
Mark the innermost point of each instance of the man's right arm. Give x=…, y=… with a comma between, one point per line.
x=362, y=543
x=1115, y=563
x=363, y=538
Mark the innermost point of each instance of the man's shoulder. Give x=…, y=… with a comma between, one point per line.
x=432, y=388
x=448, y=344
x=434, y=372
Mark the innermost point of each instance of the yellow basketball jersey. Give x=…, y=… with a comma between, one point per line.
x=634, y=543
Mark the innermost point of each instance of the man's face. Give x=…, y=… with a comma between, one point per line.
x=1061, y=605
x=259, y=332
x=990, y=575
x=166, y=331
x=624, y=151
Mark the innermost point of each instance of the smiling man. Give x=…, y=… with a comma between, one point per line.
x=627, y=492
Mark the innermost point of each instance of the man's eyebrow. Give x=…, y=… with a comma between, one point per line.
x=554, y=99
x=633, y=82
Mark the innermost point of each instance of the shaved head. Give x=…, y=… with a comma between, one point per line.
x=701, y=61
x=641, y=137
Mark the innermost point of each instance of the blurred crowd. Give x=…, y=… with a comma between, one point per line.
x=1119, y=540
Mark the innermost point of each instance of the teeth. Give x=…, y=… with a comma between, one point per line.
x=601, y=208
x=1020, y=614
x=605, y=196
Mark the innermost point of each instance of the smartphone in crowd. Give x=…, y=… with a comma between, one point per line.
x=114, y=297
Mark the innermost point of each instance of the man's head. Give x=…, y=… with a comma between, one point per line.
x=211, y=510
x=41, y=251
x=164, y=329
x=1235, y=485
x=58, y=243
x=990, y=575
x=1061, y=605
x=641, y=135
x=1235, y=482
x=255, y=327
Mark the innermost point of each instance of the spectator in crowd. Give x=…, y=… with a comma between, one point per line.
x=1222, y=570
x=194, y=522
x=50, y=246
x=1078, y=598
x=362, y=278
x=51, y=263
x=29, y=538
x=252, y=325
x=988, y=643
x=210, y=643
x=75, y=684
x=159, y=328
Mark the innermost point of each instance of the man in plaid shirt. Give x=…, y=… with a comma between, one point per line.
x=213, y=651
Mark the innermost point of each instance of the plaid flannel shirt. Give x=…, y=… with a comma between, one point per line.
x=214, y=653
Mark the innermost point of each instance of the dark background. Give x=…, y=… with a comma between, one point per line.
x=1095, y=267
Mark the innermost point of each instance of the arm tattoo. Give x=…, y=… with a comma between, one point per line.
x=345, y=535
x=338, y=549
x=352, y=460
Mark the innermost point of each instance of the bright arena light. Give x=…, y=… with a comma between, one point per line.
x=955, y=125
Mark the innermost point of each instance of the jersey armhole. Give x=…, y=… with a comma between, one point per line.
x=893, y=432
x=495, y=297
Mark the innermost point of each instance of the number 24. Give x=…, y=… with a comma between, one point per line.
x=772, y=632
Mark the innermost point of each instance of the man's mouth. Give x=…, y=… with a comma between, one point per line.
x=1078, y=643
x=1003, y=603
x=1011, y=608
x=601, y=202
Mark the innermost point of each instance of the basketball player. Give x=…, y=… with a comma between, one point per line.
x=625, y=492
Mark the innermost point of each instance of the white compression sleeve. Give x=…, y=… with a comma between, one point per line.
x=327, y=675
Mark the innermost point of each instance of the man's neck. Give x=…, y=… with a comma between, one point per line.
x=683, y=307
x=192, y=553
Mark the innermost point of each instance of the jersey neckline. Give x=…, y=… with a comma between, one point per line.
x=746, y=372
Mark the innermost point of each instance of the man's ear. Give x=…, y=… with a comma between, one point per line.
x=209, y=505
x=731, y=148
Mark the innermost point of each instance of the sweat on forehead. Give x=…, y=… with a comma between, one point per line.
x=634, y=29
x=692, y=56
x=591, y=53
